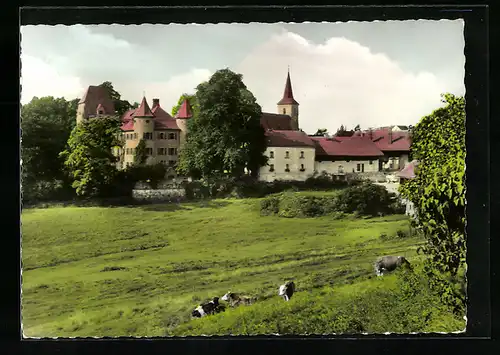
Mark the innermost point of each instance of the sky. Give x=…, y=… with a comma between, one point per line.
x=347, y=73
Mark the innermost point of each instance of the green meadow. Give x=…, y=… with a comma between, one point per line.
x=140, y=270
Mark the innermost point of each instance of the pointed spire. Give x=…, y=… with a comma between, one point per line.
x=143, y=110
x=288, y=93
x=185, y=110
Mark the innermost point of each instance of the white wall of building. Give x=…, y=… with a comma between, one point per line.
x=297, y=159
x=343, y=166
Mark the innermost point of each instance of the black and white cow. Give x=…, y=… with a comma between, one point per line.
x=390, y=263
x=286, y=290
x=235, y=300
x=207, y=308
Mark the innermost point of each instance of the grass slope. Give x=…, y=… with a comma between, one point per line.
x=140, y=270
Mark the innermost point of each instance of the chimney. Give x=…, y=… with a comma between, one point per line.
x=156, y=102
x=390, y=136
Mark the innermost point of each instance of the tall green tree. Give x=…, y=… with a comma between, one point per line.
x=89, y=158
x=343, y=132
x=46, y=125
x=225, y=134
x=121, y=106
x=192, y=101
x=438, y=190
x=140, y=155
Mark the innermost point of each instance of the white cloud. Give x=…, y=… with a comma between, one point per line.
x=41, y=79
x=338, y=82
x=167, y=91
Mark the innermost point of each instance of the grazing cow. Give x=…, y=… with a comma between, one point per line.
x=206, y=308
x=286, y=290
x=235, y=300
x=390, y=263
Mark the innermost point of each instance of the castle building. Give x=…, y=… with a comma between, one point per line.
x=292, y=154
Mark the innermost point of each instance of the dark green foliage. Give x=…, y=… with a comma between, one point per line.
x=366, y=199
x=46, y=125
x=225, y=135
x=89, y=158
x=438, y=191
x=140, y=155
x=321, y=132
x=343, y=132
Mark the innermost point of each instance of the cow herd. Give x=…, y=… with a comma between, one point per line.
x=382, y=265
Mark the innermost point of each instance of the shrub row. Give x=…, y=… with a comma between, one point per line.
x=365, y=198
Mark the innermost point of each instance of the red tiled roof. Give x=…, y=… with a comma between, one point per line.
x=127, y=125
x=94, y=96
x=346, y=147
x=275, y=121
x=143, y=110
x=288, y=93
x=408, y=172
x=165, y=123
x=160, y=113
x=386, y=140
x=185, y=110
x=287, y=138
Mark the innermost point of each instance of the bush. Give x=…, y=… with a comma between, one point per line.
x=270, y=206
x=365, y=199
x=43, y=191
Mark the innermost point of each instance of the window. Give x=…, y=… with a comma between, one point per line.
x=271, y=155
x=302, y=167
x=171, y=162
x=172, y=136
x=135, y=135
x=284, y=111
x=162, y=161
x=287, y=168
x=161, y=151
x=147, y=121
x=287, y=155
x=301, y=155
x=149, y=151
x=271, y=167
x=100, y=112
x=147, y=135
x=172, y=151
x=358, y=167
x=341, y=169
x=161, y=135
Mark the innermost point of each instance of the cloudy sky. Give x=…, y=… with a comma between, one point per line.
x=367, y=73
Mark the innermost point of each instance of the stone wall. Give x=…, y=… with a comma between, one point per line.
x=164, y=191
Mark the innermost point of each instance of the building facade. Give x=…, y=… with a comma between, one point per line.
x=292, y=154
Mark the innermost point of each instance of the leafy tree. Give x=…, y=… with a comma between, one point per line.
x=320, y=132
x=89, y=157
x=192, y=101
x=46, y=125
x=121, y=106
x=140, y=155
x=438, y=190
x=357, y=128
x=342, y=132
x=225, y=135
x=135, y=105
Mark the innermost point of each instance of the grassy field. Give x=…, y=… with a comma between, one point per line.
x=139, y=271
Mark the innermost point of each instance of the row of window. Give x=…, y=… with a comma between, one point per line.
x=287, y=155
x=287, y=168
x=149, y=136
x=359, y=168
x=149, y=151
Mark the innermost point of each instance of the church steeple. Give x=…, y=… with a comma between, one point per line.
x=288, y=105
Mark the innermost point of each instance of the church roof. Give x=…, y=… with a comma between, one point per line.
x=288, y=93
x=275, y=121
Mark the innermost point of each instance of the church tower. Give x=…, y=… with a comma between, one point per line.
x=288, y=106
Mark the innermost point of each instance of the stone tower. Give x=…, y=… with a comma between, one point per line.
x=287, y=105
x=144, y=124
x=181, y=118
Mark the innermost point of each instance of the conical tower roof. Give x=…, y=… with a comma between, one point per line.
x=288, y=93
